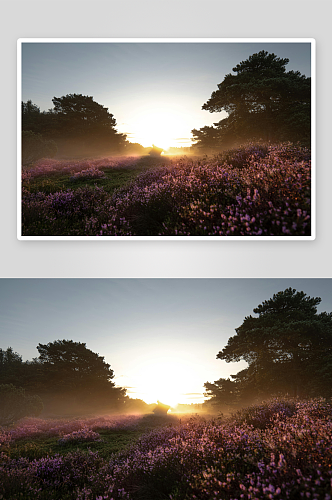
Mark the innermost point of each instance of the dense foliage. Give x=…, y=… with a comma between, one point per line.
x=262, y=101
x=288, y=348
x=76, y=123
x=15, y=404
x=254, y=190
x=67, y=376
x=278, y=450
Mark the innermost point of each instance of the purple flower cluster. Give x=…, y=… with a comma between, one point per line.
x=88, y=173
x=80, y=436
x=262, y=415
x=195, y=459
x=37, y=427
x=49, y=166
x=269, y=194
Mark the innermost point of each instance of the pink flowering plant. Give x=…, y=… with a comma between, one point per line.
x=89, y=173
x=190, y=458
x=82, y=435
x=256, y=190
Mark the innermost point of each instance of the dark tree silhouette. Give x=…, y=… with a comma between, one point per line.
x=79, y=117
x=70, y=370
x=73, y=365
x=10, y=365
x=67, y=376
x=31, y=117
x=77, y=124
x=263, y=101
x=207, y=139
x=81, y=113
x=223, y=392
x=288, y=348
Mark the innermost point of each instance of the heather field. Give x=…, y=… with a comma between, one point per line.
x=280, y=449
x=254, y=190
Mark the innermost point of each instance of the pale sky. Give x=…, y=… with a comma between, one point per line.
x=160, y=336
x=154, y=90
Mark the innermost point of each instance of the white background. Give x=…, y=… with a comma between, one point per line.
x=177, y=19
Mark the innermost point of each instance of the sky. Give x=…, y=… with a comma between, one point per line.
x=155, y=91
x=160, y=335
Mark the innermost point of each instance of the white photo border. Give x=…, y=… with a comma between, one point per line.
x=312, y=41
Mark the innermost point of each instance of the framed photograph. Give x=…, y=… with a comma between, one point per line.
x=199, y=139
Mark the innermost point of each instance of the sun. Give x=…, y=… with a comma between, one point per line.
x=160, y=126
x=165, y=378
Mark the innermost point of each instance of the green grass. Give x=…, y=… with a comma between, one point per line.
x=113, y=441
x=115, y=177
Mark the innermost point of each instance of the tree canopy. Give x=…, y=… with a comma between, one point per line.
x=288, y=348
x=80, y=114
x=77, y=123
x=65, y=372
x=263, y=101
x=74, y=361
x=71, y=368
x=10, y=364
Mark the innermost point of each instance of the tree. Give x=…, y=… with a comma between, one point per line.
x=82, y=112
x=13, y=370
x=207, y=139
x=263, y=101
x=288, y=348
x=10, y=365
x=80, y=117
x=77, y=124
x=223, y=392
x=14, y=404
x=70, y=369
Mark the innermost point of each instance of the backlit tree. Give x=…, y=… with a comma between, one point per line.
x=263, y=101
x=288, y=348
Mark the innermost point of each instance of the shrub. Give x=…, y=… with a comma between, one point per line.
x=35, y=147
x=88, y=173
x=262, y=415
x=155, y=151
x=82, y=435
x=240, y=157
x=14, y=404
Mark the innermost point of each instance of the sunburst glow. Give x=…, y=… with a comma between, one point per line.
x=159, y=125
x=165, y=378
